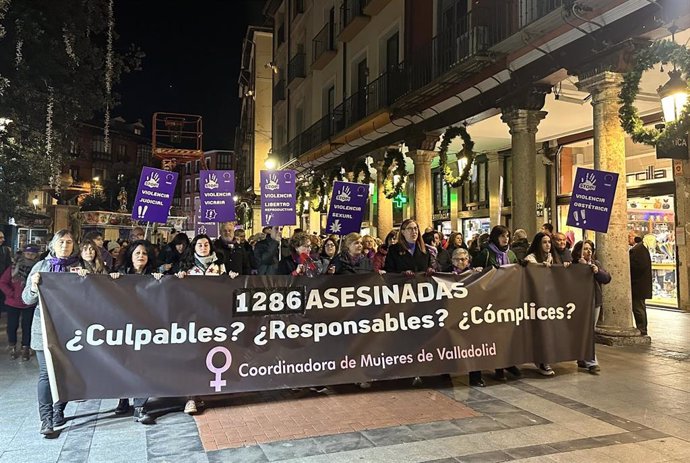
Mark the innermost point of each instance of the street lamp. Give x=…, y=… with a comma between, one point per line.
x=35, y=202
x=674, y=96
x=235, y=198
x=270, y=163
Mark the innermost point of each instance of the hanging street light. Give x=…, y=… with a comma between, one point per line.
x=674, y=96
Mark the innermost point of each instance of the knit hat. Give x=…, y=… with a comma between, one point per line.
x=112, y=245
x=32, y=248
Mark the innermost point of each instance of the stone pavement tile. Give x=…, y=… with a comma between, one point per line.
x=135, y=450
x=485, y=457
x=530, y=451
x=548, y=433
x=493, y=406
x=343, y=442
x=519, y=419
x=633, y=453
x=73, y=455
x=391, y=436
x=575, y=444
x=276, y=451
x=478, y=424
x=443, y=460
x=35, y=456
x=189, y=458
x=252, y=454
x=167, y=446
x=428, y=431
x=583, y=456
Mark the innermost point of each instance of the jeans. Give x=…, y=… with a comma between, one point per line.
x=13, y=317
x=45, y=397
x=591, y=363
x=640, y=312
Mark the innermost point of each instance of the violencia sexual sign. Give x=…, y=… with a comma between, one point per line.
x=592, y=200
x=347, y=208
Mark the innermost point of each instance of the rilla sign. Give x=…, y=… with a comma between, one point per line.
x=258, y=333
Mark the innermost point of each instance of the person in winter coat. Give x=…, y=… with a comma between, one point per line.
x=199, y=258
x=583, y=253
x=379, y=260
x=231, y=251
x=496, y=254
x=352, y=259
x=298, y=262
x=409, y=255
x=520, y=245
x=368, y=247
x=266, y=252
x=90, y=259
x=640, y=280
x=172, y=253
x=60, y=258
x=137, y=260
x=12, y=283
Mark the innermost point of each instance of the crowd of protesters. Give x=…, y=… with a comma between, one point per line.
x=407, y=250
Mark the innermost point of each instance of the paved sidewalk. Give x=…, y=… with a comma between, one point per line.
x=637, y=410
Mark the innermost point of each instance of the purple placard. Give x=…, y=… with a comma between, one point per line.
x=155, y=195
x=592, y=199
x=347, y=208
x=278, y=198
x=216, y=189
x=205, y=228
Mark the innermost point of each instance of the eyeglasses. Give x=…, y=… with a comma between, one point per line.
x=461, y=258
x=411, y=229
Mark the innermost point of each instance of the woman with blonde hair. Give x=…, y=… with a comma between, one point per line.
x=352, y=259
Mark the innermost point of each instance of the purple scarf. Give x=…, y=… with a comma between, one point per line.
x=501, y=256
x=61, y=264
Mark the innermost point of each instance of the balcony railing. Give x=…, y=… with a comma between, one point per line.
x=279, y=91
x=453, y=55
x=323, y=47
x=352, y=19
x=296, y=68
x=101, y=156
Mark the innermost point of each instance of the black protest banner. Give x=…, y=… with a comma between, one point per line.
x=138, y=337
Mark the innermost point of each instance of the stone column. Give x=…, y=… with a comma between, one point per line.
x=682, y=178
x=616, y=326
x=384, y=223
x=495, y=194
x=523, y=129
x=423, y=209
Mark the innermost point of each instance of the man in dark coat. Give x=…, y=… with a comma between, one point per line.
x=266, y=252
x=640, y=280
x=559, y=250
x=231, y=251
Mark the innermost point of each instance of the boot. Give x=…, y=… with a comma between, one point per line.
x=46, y=427
x=13, y=352
x=26, y=353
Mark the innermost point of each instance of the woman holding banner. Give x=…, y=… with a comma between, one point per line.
x=61, y=258
x=299, y=262
x=409, y=255
x=497, y=254
x=583, y=253
x=138, y=260
x=90, y=259
x=352, y=259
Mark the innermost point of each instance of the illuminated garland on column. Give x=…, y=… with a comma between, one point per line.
x=53, y=158
x=467, y=151
x=361, y=169
x=391, y=188
x=108, y=75
x=18, y=56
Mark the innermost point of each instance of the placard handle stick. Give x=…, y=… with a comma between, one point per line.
x=146, y=232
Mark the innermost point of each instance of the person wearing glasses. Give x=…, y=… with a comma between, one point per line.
x=299, y=261
x=409, y=255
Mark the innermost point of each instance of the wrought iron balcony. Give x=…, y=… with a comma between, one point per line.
x=323, y=47
x=352, y=19
x=296, y=68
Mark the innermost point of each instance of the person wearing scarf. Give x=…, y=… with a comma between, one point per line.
x=497, y=254
x=12, y=283
x=61, y=258
x=298, y=262
x=409, y=254
x=90, y=259
x=200, y=259
x=352, y=259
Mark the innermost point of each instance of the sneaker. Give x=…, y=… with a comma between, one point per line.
x=122, y=407
x=478, y=382
x=364, y=385
x=13, y=352
x=594, y=369
x=515, y=371
x=190, y=407
x=59, y=418
x=46, y=428
x=546, y=370
x=26, y=353
x=417, y=381
x=319, y=389
x=581, y=364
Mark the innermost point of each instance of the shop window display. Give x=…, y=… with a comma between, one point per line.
x=653, y=218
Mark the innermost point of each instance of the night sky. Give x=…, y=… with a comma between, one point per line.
x=192, y=62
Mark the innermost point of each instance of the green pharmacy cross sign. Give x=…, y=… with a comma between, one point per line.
x=399, y=201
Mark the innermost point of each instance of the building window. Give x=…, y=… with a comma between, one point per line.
x=196, y=184
x=121, y=153
x=187, y=186
x=188, y=168
x=73, y=148
x=508, y=184
x=187, y=203
x=74, y=173
x=143, y=154
x=208, y=163
x=197, y=166
x=224, y=161
x=475, y=192
x=98, y=174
